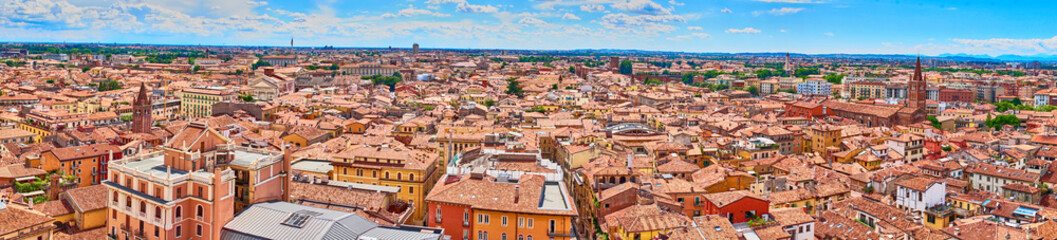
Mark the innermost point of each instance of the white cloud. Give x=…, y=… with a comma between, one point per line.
x=444, y=1
x=693, y=28
x=641, y=7
x=673, y=2
x=592, y=8
x=726, y=10
x=690, y=36
x=471, y=8
x=648, y=24
x=531, y=21
x=747, y=30
x=782, y=30
x=1011, y=46
x=412, y=11
x=828, y=34
x=570, y=16
x=784, y=11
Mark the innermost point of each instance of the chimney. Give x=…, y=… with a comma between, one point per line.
x=269, y=71
x=517, y=193
x=286, y=172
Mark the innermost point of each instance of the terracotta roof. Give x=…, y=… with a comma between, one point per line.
x=89, y=198
x=645, y=218
x=54, y=208
x=497, y=196
x=1002, y=172
x=722, y=199
x=16, y=218
x=79, y=152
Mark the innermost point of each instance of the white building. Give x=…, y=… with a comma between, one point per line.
x=815, y=87
x=920, y=193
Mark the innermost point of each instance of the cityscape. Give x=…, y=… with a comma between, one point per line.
x=557, y=119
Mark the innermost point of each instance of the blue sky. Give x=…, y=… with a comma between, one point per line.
x=801, y=26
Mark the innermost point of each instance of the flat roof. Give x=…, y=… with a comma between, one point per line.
x=553, y=197
x=315, y=166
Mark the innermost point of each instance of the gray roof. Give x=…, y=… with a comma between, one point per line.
x=312, y=166
x=265, y=221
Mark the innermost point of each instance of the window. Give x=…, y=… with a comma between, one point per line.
x=530, y=237
x=465, y=234
x=200, y=211
x=157, y=212
x=520, y=237
x=113, y=214
x=179, y=212
x=411, y=176
x=410, y=189
x=437, y=216
x=386, y=175
x=504, y=223
x=142, y=207
x=520, y=222
x=530, y=226
x=200, y=193
x=932, y=219
x=156, y=231
x=550, y=229
x=465, y=218
x=198, y=229
x=503, y=237
x=399, y=176
x=179, y=231
x=128, y=201
x=115, y=197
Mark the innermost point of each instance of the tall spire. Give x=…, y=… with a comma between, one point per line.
x=142, y=98
x=917, y=71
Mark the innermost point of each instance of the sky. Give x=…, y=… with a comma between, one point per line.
x=978, y=27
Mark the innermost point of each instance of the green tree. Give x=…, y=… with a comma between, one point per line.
x=572, y=69
x=85, y=69
x=755, y=91
x=334, y=67
x=489, y=103
x=625, y=67
x=513, y=87
x=246, y=97
x=108, y=85
x=260, y=63
x=1002, y=120
x=390, y=81
x=196, y=68
x=834, y=78
x=935, y=122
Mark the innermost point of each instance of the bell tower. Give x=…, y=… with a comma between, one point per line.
x=141, y=109
x=916, y=89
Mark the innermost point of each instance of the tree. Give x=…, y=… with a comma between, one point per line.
x=935, y=122
x=489, y=103
x=108, y=85
x=196, y=68
x=625, y=67
x=260, y=63
x=1016, y=102
x=85, y=69
x=652, y=81
x=246, y=97
x=1002, y=120
x=572, y=69
x=334, y=67
x=390, y=81
x=513, y=87
x=755, y=91
x=834, y=78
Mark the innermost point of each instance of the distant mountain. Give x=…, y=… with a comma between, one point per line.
x=1007, y=57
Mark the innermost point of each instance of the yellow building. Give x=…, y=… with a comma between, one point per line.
x=30, y=225
x=867, y=89
x=198, y=102
x=414, y=171
x=824, y=136
x=643, y=222
x=88, y=206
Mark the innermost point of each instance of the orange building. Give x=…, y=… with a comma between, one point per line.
x=478, y=207
x=187, y=190
x=86, y=163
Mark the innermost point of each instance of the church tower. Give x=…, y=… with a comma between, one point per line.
x=916, y=89
x=141, y=109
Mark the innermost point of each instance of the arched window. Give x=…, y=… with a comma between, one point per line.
x=399, y=176
x=115, y=197
x=157, y=212
x=142, y=207
x=179, y=211
x=128, y=201
x=411, y=176
x=200, y=211
x=386, y=175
